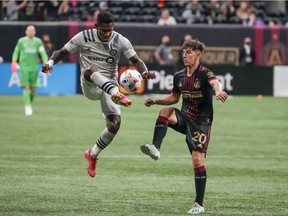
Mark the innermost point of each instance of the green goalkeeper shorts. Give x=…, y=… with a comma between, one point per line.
x=28, y=78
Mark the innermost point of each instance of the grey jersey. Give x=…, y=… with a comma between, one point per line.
x=104, y=55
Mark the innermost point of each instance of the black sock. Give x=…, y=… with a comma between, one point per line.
x=200, y=183
x=160, y=131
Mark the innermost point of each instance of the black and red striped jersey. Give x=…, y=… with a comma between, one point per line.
x=196, y=92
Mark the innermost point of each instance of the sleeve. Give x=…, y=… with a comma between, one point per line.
x=75, y=43
x=17, y=50
x=175, y=88
x=42, y=52
x=210, y=75
x=127, y=48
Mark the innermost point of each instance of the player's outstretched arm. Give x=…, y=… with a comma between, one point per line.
x=219, y=93
x=55, y=58
x=141, y=67
x=173, y=98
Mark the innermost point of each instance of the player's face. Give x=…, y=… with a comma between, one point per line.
x=30, y=31
x=104, y=31
x=190, y=57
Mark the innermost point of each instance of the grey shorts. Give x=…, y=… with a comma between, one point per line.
x=93, y=92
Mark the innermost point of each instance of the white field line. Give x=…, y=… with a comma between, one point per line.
x=145, y=156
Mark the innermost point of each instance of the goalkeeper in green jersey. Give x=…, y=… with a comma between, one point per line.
x=27, y=50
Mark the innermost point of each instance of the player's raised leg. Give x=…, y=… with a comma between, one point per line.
x=160, y=130
x=91, y=75
x=150, y=150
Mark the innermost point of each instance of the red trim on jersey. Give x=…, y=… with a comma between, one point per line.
x=212, y=78
x=199, y=169
x=162, y=119
x=181, y=71
x=201, y=68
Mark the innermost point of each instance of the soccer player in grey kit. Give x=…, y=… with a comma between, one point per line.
x=99, y=53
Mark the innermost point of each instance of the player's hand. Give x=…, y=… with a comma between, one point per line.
x=14, y=66
x=148, y=75
x=46, y=68
x=221, y=95
x=149, y=102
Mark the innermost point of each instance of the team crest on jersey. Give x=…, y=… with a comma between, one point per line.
x=113, y=52
x=210, y=74
x=197, y=84
x=110, y=60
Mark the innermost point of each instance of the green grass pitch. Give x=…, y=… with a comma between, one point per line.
x=43, y=171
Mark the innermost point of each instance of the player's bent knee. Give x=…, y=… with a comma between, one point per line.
x=113, y=128
x=198, y=159
x=166, y=112
x=88, y=72
x=113, y=123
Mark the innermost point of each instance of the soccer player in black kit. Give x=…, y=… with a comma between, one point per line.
x=196, y=85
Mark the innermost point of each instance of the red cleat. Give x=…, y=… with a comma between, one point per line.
x=121, y=99
x=91, y=163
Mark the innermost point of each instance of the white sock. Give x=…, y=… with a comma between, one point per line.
x=104, y=140
x=103, y=83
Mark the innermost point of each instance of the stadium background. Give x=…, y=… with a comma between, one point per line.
x=43, y=171
x=223, y=40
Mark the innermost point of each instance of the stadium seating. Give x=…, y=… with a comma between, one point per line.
x=149, y=11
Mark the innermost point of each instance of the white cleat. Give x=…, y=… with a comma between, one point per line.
x=196, y=209
x=150, y=150
x=28, y=110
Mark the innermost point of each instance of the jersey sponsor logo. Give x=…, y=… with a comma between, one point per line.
x=113, y=52
x=197, y=84
x=29, y=50
x=110, y=60
x=192, y=94
x=92, y=58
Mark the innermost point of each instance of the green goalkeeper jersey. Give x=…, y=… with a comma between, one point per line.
x=27, y=51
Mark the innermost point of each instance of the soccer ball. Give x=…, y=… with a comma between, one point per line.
x=130, y=80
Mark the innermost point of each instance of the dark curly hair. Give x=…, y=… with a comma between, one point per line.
x=105, y=17
x=194, y=45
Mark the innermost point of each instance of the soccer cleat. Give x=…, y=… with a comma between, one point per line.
x=91, y=163
x=28, y=110
x=121, y=99
x=150, y=150
x=196, y=209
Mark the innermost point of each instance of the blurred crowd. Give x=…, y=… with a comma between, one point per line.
x=162, y=12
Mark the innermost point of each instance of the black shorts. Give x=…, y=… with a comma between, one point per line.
x=197, y=133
